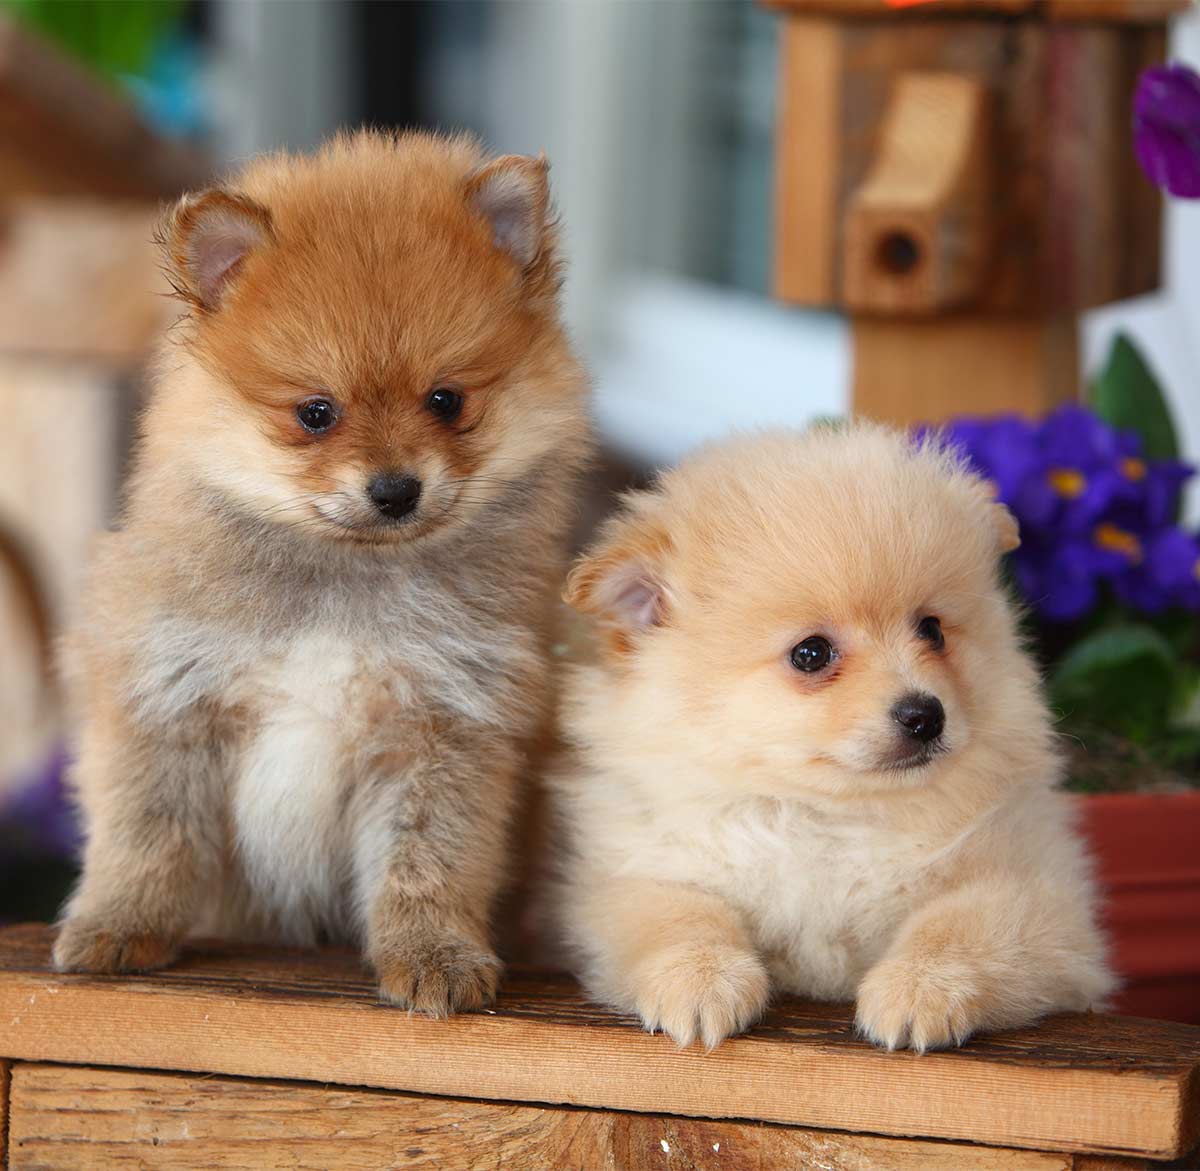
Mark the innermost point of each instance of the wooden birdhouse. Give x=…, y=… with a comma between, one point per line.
x=959, y=176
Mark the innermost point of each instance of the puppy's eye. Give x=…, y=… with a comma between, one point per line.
x=316, y=415
x=930, y=629
x=445, y=402
x=813, y=654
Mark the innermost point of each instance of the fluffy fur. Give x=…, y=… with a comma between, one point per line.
x=734, y=825
x=301, y=719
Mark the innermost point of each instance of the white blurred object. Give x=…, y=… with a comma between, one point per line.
x=1166, y=324
x=281, y=75
x=688, y=362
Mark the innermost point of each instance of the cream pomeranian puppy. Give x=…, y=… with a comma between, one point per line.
x=813, y=756
x=313, y=652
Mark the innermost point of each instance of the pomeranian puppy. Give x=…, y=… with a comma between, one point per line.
x=813, y=756
x=315, y=649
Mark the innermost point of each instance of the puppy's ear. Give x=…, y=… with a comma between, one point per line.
x=205, y=238
x=1006, y=532
x=513, y=194
x=621, y=579
x=1004, y=524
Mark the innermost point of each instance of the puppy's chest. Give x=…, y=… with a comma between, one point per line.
x=839, y=872
x=320, y=706
x=824, y=899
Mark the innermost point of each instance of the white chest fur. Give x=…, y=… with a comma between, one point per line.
x=290, y=787
x=834, y=897
x=823, y=899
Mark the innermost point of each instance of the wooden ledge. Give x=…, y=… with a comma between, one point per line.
x=1079, y=11
x=1077, y=1083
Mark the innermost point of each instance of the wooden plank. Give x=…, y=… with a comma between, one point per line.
x=1140, y=202
x=808, y=150
x=1121, y=11
x=76, y=1119
x=1078, y=1083
x=5, y=1083
x=914, y=8
x=907, y=371
x=82, y=279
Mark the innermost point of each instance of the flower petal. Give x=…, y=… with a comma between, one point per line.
x=1166, y=128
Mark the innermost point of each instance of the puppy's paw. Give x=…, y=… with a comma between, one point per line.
x=701, y=992
x=92, y=945
x=439, y=975
x=919, y=1006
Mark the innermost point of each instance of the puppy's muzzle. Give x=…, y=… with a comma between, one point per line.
x=394, y=495
x=921, y=717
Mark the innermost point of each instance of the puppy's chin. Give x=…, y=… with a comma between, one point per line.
x=370, y=532
x=906, y=761
x=839, y=777
x=349, y=521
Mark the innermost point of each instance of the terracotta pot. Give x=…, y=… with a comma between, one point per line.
x=1147, y=849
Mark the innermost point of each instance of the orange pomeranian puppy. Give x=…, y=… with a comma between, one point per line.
x=814, y=756
x=314, y=651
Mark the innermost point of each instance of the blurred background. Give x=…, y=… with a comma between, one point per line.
x=679, y=136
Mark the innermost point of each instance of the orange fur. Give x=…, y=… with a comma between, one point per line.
x=301, y=719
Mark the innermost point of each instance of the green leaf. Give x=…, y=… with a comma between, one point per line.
x=115, y=37
x=1181, y=748
x=1123, y=678
x=1126, y=395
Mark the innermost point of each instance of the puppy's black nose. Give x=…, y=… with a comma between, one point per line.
x=921, y=716
x=394, y=495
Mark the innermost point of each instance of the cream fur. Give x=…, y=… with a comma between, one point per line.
x=726, y=817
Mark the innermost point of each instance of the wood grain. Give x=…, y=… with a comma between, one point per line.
x=5, y=1083
x=1122, y=11
x=808, y=152
x=1118, y=11
x=1078, y=1083
x=77, y=1119
x=81, y=279
x=880, y=9
x=928, y=190
x=1058, y=100
x=907, y=372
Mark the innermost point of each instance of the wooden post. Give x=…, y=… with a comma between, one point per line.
x=959, y=176
x=922, y=371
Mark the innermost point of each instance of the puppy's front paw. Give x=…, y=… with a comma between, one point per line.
x=919, y=1005
x=93, y=945
x=700, y=991
x=439, y=975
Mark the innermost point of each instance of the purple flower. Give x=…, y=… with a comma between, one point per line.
x=1166, y=574
x=1061, y=583
x=39, y=818
x=1166, y=128
x=1002, y=449
x=1149, y=495
x=1093, y=512
x=1076, y=473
